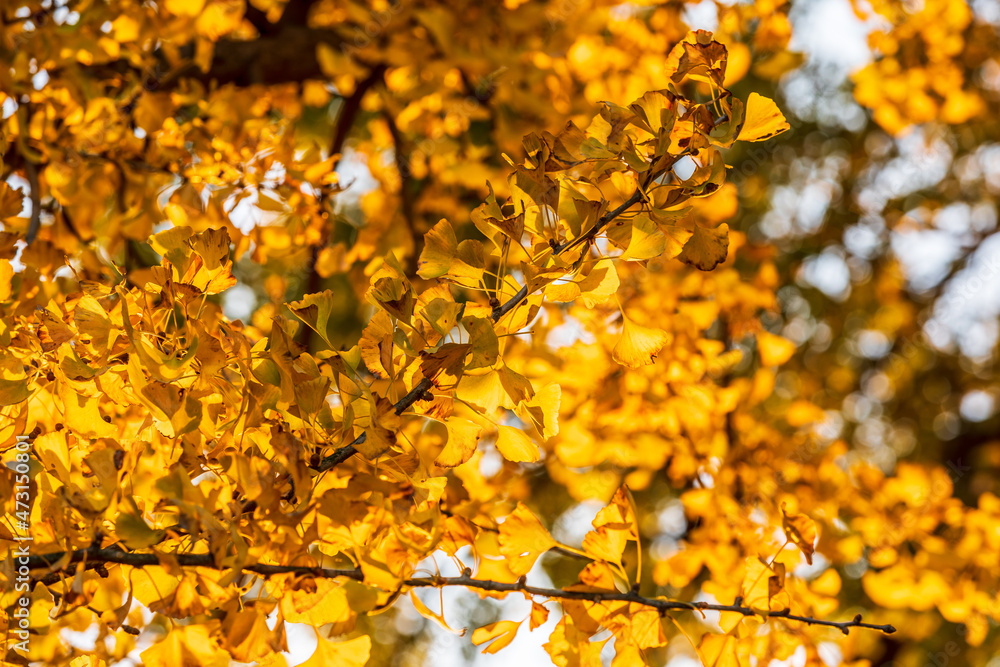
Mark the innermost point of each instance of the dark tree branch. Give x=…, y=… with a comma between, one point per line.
x=95, y=557
x=345, y=119
x=405, y=190
x=522, y=293
x=31, y=171
x=399, y=408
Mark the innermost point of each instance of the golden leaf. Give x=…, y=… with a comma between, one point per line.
x=523, y=539
x=638, y=345
x=350, y=653
x=463, y=435
x=762, y=119
x=515, y=445
x=501, y=634
x=801, y=531
x=707, y=248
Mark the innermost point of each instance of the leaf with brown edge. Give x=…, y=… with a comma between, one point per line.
x=638, y=345
x=463, y=436
x=801, y=531
x=762, y=119
x=707, y=248
x=376, y=345
x=378, y=440
x=445, y=365
x=11, y=200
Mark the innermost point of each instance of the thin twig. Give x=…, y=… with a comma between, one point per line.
x=350, y=450
x=522, y=293
x=94, y=557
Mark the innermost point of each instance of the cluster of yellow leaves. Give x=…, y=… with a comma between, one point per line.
x=919, y=73
x=559, y=335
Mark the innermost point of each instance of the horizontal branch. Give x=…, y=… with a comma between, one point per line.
x=96, y=557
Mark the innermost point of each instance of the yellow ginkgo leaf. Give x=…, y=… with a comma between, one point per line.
x=543, y=410
x=500, y=634
x=801, y=531
x=13, y=380
x=462, y=438
x=762, y=119
x=638, y=345
x=774, y=350
x=523, y=539
x=606, y=544
x=707, y=248
x=647, y=240
x=719, y=650
x=350, y=653
x=11, y=200
x=539, y=614
x=515, y=445
x=440, y=249
x=135, y=532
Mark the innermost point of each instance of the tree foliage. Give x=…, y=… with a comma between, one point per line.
x=506, y=263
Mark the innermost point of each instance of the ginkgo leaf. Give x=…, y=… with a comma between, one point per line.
x=523, y=539
x=539, y=614
x=595, y=287
x=443, y=315
x=136, y=533
x=774, y=350
x=761, y=120
x=801, y=531
x=444, y=365
x=318, y=602
x=515, y=445
x=606, y=544
x=11, y=200
x=647, y=240
x=443, y=255
x=376, y=345
x=638, y=345
x=349, y=653
x=484, y=342
x=707, y=248
x=778, y=598
x=378, y=440
x=463, y=436
x=315, y=310
x=501, y=634
x=543, y=410
x=184, y=645
x=13, y=380
x=427, y=613
x=719, y=650
x=647, y=628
